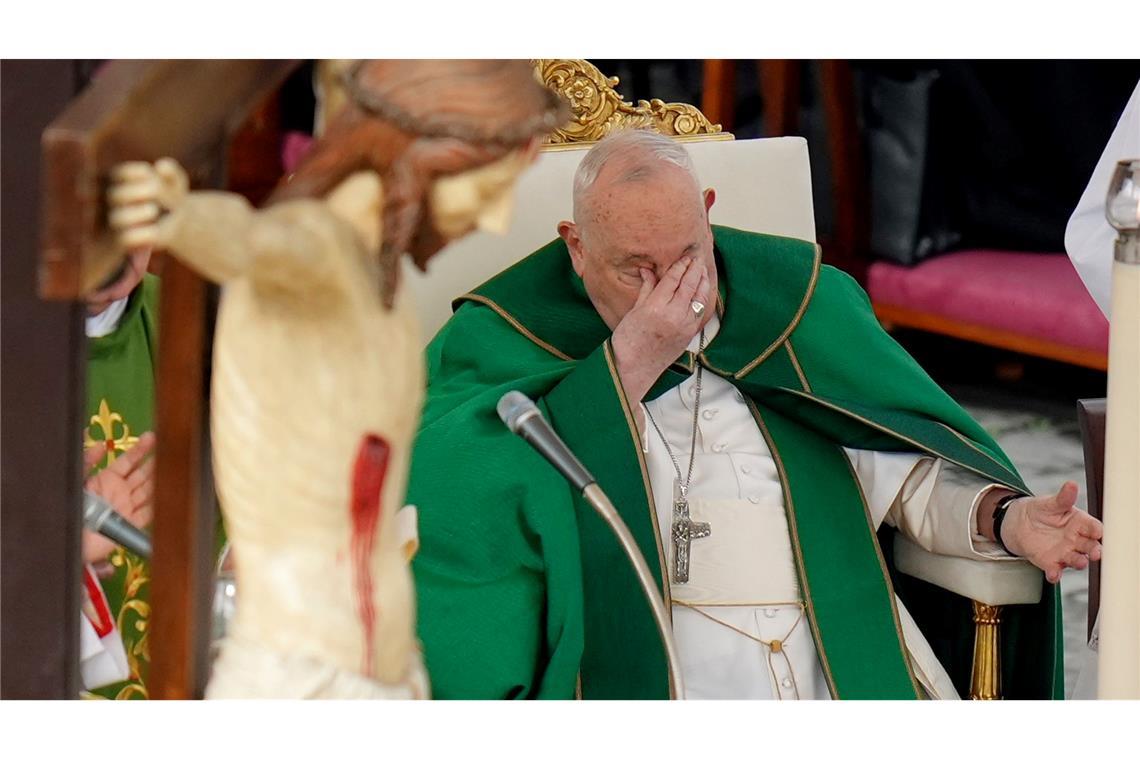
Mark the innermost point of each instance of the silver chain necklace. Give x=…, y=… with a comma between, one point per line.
x=684, y=530
x=684, y=484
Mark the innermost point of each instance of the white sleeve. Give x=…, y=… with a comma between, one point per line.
x=931, y=501
x=1088, y=236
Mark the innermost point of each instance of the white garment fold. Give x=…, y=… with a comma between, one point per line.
x=106, y=321
x=1089, y=237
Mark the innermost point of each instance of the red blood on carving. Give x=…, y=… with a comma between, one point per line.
x=367, y=483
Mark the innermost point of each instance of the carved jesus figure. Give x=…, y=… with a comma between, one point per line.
x=318, y=373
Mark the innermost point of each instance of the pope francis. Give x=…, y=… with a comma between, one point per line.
x=762, y=437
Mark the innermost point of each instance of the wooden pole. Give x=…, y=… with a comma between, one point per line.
x=718, y=99
x=780, y=93
x=43, y=403
x=849, y=183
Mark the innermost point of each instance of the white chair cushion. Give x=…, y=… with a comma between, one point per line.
x=998, y=582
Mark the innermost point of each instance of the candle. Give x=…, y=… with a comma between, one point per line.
x=1119, y=666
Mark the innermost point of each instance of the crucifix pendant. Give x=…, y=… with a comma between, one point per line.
x=685, y=531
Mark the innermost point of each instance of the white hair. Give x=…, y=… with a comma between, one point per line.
x=641, y=152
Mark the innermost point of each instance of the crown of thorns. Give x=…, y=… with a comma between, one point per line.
x=554, y=114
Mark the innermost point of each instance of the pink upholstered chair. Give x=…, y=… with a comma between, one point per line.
x=1033, y=303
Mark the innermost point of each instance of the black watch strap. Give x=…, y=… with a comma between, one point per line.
x=999, y=515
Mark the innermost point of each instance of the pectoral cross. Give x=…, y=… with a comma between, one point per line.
x=685, y=531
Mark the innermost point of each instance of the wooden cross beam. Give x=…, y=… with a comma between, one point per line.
x=140, y=111
x=144, y=110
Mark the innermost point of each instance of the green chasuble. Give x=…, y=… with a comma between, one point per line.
x=120, y=407
x=524, y=592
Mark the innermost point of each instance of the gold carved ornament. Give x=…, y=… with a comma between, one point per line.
x=105, y=422
x=597, y=109
x=985, y=679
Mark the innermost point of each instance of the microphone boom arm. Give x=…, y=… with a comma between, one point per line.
x=523, y=418
x=605, y=508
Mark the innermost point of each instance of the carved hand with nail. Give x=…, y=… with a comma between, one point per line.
x=142, y=198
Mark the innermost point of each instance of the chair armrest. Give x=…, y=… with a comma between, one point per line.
x=992, y=583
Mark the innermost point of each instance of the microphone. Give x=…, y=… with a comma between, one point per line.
x=521, y=415
x=101, y=517
x=523, y=418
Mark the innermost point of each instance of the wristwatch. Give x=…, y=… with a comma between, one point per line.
x=999, y=515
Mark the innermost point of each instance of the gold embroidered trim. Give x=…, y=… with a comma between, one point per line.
x=795, y=318
x=701, y=357
x=635, y=437
x=739, y=604
x=709, y=365
x=131, y=689
x=796, y=365
x=687, y=362
x=973, y=446
x=906, y=439
x=515, y=324
x=793, y=532
x=886, y=577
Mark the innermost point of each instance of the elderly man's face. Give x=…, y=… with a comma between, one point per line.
x=120, y=285
x=636, y=225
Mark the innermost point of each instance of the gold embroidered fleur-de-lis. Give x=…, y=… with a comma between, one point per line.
x=105, y=421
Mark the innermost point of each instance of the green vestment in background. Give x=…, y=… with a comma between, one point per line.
x=523, y=591
x=120, y=408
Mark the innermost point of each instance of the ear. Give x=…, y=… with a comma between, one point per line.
x=710, y=199
x=568, y=231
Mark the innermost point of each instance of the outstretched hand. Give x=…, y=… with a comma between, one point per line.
x=1052, y=533
x=128, y=484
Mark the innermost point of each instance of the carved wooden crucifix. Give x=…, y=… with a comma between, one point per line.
x=145, y=110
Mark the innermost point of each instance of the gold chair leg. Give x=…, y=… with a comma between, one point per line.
x=985, y=682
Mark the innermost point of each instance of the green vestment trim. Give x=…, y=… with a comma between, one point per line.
x=120, y=408
x=521, y=586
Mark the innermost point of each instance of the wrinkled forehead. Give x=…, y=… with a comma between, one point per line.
x=646, y=212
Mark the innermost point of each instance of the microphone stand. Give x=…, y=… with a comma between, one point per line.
x=523, y=418
x=605, y=508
